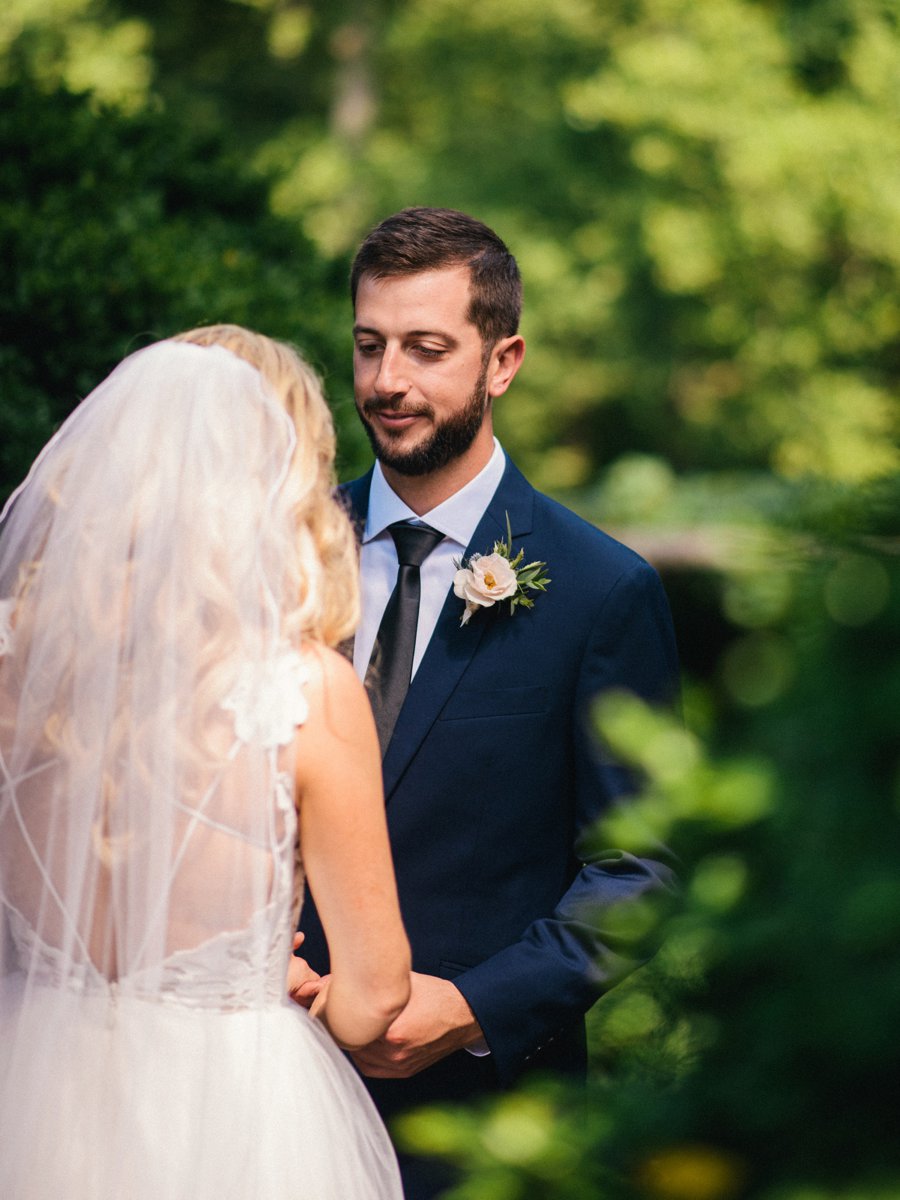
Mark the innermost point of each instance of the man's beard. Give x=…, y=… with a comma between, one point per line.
x=448, y=440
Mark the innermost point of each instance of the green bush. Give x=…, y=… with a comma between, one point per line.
x=117, y=229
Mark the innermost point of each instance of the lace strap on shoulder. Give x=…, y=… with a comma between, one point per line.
x=7, y=607
x=268, y=700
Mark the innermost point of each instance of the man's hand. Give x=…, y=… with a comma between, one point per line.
x=436, y=1021
x=303, y=983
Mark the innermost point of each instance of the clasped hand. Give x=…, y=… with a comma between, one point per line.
x=436, y=1021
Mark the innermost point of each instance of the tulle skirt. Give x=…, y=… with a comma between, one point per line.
x=124, y=1099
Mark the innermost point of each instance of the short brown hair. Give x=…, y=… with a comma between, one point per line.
x=426, y=239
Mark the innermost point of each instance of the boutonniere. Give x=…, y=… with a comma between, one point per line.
x=487, y=579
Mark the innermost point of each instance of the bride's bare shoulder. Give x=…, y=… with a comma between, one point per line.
x=338, y=736
x=333, y=689
x=327, y=668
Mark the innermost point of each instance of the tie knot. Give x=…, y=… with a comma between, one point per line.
x=414, y=542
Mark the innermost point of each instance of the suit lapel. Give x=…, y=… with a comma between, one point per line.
x=452, y=646
x=354, y=498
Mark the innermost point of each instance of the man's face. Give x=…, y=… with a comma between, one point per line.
x=420, y=379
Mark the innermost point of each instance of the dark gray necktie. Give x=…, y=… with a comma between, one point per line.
x=390, y=667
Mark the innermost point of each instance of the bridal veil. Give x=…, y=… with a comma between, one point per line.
x=149, y=689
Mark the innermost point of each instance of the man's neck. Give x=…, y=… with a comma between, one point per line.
x=424, y=492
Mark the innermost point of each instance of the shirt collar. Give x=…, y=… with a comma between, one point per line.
x=456, y=518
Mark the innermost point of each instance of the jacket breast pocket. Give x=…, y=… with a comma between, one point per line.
x=495, y=702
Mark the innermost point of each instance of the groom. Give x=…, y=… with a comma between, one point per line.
x=492, y=779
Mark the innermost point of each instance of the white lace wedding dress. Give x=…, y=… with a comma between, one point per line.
x=191, y=1076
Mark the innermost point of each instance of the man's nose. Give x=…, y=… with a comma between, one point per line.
x=392, y=379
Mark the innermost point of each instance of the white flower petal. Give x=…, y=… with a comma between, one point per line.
x=268, y=701
x=460, y=582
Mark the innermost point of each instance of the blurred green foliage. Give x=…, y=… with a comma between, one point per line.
x=118, y=228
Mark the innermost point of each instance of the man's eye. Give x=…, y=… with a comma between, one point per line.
x=428, y=351
x=367, y=348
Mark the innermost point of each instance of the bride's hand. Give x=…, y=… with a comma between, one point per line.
x=303, y=983
x=318, y=994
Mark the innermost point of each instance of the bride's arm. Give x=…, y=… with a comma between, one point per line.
x=346, y=855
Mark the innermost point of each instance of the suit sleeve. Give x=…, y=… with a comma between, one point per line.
x=529, y=992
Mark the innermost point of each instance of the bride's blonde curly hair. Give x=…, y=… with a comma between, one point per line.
x=323, y=562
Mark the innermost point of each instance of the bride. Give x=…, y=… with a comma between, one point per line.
x=179, y=748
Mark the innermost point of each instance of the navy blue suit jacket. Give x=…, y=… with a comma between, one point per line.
x=493, y=780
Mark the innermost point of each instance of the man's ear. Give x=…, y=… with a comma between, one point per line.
x=506, y=358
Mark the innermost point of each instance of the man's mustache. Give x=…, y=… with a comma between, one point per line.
x=372, y=408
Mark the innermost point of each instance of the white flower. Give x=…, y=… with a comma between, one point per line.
x=7, y=608
x=487, y=579
x=268, y=701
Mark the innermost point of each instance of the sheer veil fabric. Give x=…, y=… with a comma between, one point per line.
x=148, y=700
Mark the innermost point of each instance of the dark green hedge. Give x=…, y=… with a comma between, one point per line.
x=119, y=229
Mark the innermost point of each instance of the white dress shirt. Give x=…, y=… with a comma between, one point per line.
x=456, y=518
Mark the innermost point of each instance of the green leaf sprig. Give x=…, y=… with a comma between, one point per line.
x=530, y=578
